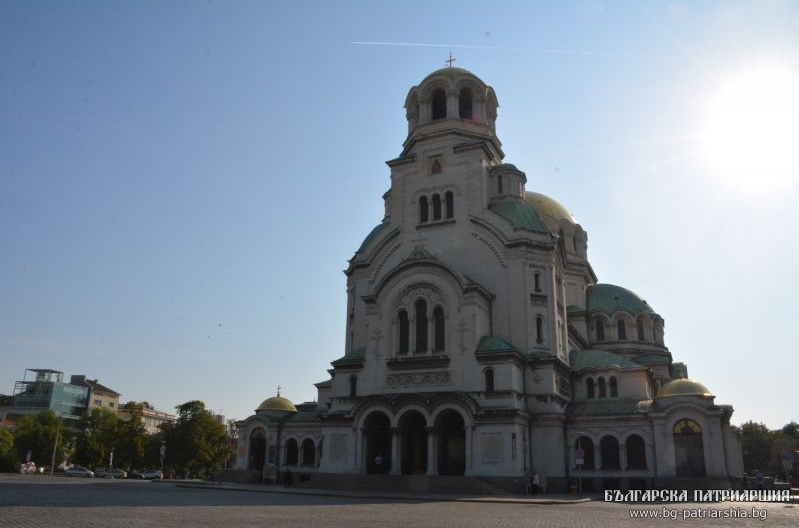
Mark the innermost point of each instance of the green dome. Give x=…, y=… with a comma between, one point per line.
x=546, y=206
x=510, y=166
x=609, y=299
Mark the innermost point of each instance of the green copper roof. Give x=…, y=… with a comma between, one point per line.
x=493, y=344
x=354, y=357
x=520, y=215
x=510, y=166
x=598, y=359
x=371, y=236
x=609, y=299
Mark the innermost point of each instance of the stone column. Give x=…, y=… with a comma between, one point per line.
x=432, y=452
x=430, y=334
x=597, y=456
x=468, y=434
x=623, y=455
x=361, y=459
x=396, y=466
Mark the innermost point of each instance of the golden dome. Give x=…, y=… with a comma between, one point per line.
x=276, y=404
x=683, y=387
x=546, y=206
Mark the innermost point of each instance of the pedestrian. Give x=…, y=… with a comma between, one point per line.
x=288, y=478
x=535, y=484
x=759, y=480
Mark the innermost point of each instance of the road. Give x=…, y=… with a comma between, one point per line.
x=41, y=501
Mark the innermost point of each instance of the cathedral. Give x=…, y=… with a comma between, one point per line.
x=480, y=343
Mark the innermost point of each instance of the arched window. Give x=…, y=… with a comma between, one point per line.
x=499, y=184
x=589, y=387
x=435, y=168
x=423, y=212
x=353, y=386
x=404, y=332
x=436, y=207
x=438, y=329
x=465, y=104
x=439, y=104
x=537, y=280
x=689, y=451
x=539, y=329
x=421, y=325
x=636, y=452
x=292, y=453
x=489, y=379
x=621, y=328
x=587, y=445
x=602, y=392
x=614, y=387
x=640, y=330
x=609, y=447
x=600, y=330
x=450, y=200
x=308, y=452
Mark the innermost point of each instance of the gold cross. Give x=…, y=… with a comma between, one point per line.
x=278, y=390
x=450, y=61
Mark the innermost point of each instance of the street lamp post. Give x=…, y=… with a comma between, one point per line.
x=55, y=443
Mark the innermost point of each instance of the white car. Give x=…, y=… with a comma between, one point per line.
x=78, y=471
x=151, y=474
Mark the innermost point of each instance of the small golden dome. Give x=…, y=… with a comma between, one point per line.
x=276, y=403
x=683, y=387
x=546, y=206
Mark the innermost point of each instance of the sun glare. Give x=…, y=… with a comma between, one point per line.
x=751, y=133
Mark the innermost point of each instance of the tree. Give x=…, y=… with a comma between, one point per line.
x=7, y=455
x=37, y=434
x=196, y=442
x=100, y=433
x=129, y=452
x=756, y=442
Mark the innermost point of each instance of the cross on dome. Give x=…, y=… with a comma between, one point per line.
x=451, y=60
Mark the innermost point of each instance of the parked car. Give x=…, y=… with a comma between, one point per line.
x=116, y=473
x=79, y=471
x=99, y=472
x=151, y=474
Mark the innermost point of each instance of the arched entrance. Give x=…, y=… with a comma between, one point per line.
x=377, y=433
x=451, y=443
x=414, y=443
x=689, y=450
x=308, y=452
x=257, y=449
x=292, y=453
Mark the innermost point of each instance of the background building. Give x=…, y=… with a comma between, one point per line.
x=43, y=389
x=99, y=395
x=151, y=417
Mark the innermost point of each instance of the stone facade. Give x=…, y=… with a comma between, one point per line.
x=479, y=341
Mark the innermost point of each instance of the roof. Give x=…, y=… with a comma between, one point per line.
x=371, y=236
x=99, y=387
x=353, y=357
x=546, y=206
x=510, y=166
x=520, y=215
x=449, y=71
x=600, y=359
x=683, y=387
x=276, y=403
x=609, y=299
x=488, y=345
x=605, y=407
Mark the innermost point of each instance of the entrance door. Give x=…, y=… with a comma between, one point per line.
x=451, y=443
x=377, y=429
x=257, y=449
x=414, y=443
x=689, y=450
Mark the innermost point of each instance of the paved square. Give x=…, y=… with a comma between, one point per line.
x=43, y=501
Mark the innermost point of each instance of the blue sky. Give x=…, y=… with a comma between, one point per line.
x=181, y=183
